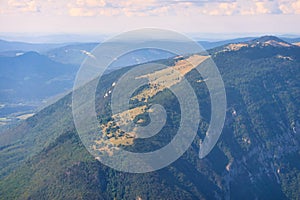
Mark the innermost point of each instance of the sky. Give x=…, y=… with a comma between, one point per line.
x=198, y=18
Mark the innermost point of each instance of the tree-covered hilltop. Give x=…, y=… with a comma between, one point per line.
x=257, y=155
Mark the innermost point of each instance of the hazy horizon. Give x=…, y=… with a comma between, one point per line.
x=83, y=38
x=33, y=20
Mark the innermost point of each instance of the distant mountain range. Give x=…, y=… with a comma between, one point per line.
x=256, y=157
x=33, y=77
x=74, y=53
x=6, y=46
x=28, y=80
x=30, y=85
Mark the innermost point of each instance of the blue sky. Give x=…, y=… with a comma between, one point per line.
x=203, y=17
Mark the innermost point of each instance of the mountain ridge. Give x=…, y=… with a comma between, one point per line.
x=256, y=156
x=267, y=43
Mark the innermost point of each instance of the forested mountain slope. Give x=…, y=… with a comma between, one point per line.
x=257, y=155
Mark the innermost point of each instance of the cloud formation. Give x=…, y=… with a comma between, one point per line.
x=153, y=7
x=22, y=6
x=183, y=7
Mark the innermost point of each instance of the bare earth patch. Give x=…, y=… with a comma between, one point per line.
x=158, y=81
x=297, y=44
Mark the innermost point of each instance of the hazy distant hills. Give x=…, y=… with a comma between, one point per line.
x=33, y=77
x=28, y=80
x=23, y=78
x=75, y=54
x=6, y=46
x=23, y=46
x=71, y=54
x=257, y=156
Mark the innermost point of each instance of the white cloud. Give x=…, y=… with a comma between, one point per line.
x=296, y=7
x=91, y=3
x=76, y=12
x=132, y=8
x=261, y=8
x=288, y=7
x=222, y=8
x=23, y=5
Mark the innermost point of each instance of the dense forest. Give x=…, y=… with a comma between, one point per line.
x=256, y=157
